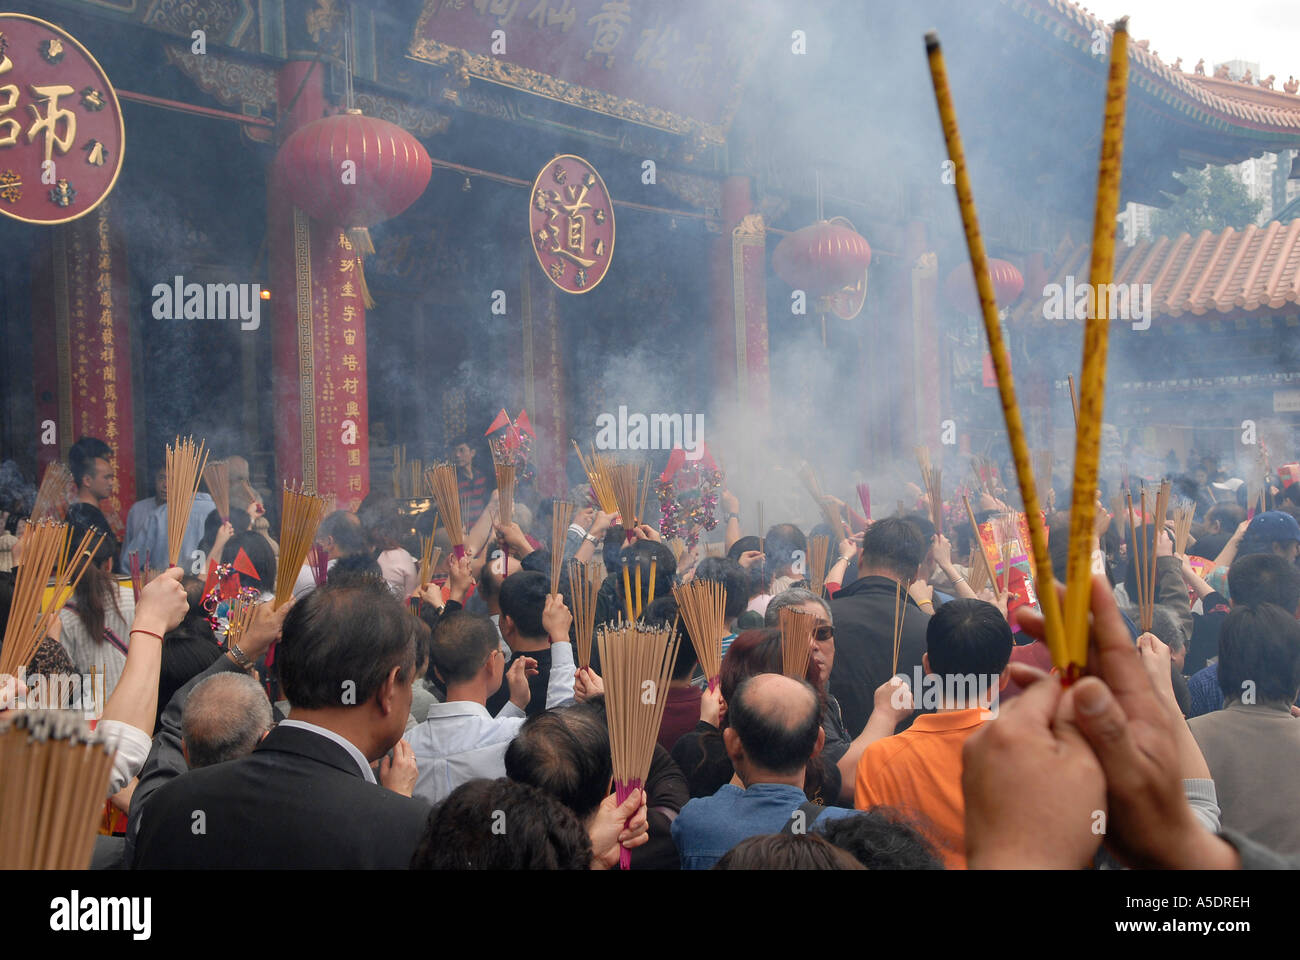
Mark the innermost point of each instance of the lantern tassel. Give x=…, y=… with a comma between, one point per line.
x=364, y=247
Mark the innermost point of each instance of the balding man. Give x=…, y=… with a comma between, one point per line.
x=225, y=717
x=773, y=728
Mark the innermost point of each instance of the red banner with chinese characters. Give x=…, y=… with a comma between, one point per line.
x=339, y=368
x=90, y=341
x=61, y=132
x=663, y=64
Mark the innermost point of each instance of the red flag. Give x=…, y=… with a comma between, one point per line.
x=523, y=425
x=245, y=565
x=502, y=420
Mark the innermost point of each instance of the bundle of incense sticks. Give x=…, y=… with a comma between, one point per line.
x=136, y=584
x=703, y=605
x=561, y=514
x=979, y=569
x=52, y=792
x=217, y=478
x=829, y=513
x=1145, y=549
x=597, y=467
x=625, y=480
x=932, y=482
x=399, y=470
x=584, y=585
x=1117, y=512
x=1183, y=514
x=644, y=488
x=900, y=608
x=678, y=546
x=762, y=530
x=318, y=559
x=985, y=574
x=632, y=656
x=238, y=619
x=796, y=641
x=864, y=497
x=185, y=463
x=48, y=554
x=301, y=512
x=429, y=554
x=817, y=548
x=52, y=497
x=1074, y=401
x=444, y=486
x=503, y=461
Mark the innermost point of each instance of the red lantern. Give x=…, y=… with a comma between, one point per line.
x=391, y=170
x=821, y=258
x=1008, y=284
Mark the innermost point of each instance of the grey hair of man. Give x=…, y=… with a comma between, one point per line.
x=225, y=717
x=794, y=597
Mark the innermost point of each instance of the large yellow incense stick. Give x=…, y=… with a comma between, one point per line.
x=1092, y=385
x=1001, y=360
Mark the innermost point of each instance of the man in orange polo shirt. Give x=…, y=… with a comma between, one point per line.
x=918, y=771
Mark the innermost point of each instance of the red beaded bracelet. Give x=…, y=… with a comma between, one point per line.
x=149, y=633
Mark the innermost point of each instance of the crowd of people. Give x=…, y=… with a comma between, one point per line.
x=378, y=722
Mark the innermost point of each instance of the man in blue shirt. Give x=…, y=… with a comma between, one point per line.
x=773, y=729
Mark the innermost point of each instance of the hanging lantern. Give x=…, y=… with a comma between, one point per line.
x=959, y=288
x=821, y=258
x=390, y=170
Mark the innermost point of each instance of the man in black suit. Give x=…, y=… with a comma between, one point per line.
x=306, y=797
x=863, y=611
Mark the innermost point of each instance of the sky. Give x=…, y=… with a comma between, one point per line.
x=1266, y=32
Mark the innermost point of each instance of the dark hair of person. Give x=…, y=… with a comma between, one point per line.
x=1264, y=578
x=733, y=578
x=502, y=825
x=346, y=530
x=663, y=612
x=787, y=851
x=564, y=753
x=239, y=519
x=341, y=639
x=1228, y=515
x=882, y=838
x=97, y=590
x=1259, y=655
x=779, y=547
x=523, y=600
x=922, y=523
x=187, y=651
x=1289, y=494
x=356, y=566
x=461, y=645
x=82, y=456
x=259, y=553
x=968, y=638
x=894, y=544
x=754, y=573
x=771, y=742
x=489, y=581
x=379, y=519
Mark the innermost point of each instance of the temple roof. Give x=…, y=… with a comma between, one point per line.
x=1234, y=271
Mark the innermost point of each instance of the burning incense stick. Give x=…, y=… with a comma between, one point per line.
x=900, y=609
x=445, y=487
x=52, y=793
x=584, y=584
x=301, y=512
x=597, y=468
x=318, y=559
x=703, y=605
x=678, y=546
x=429, y=555
x=979, y=569
x=829, y=513
x=238, y=620
x=1087, y=449
x=762, y=530
x=986, y=572
x=818, y=547
x=185, y=463
x=48, y=554
x=864, y=497
x=1043, y=462
x=624, y=483
x=1054, y=628
x=217, y=478
x=1183, y=526
x=561, y=514
x=627, y=592
x=1074, y=401
x=796, y=641
x=632, y=655
x=52, y=497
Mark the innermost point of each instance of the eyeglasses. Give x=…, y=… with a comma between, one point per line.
x=824, y=634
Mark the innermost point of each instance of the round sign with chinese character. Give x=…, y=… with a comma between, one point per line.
x=572, y=224
x=61, y=132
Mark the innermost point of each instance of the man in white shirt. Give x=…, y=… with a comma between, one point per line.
x=460, y=740
x=146, y=529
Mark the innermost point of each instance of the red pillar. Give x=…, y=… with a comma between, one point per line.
x=319, y=336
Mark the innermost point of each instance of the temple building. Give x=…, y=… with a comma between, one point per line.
x=607, y=188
